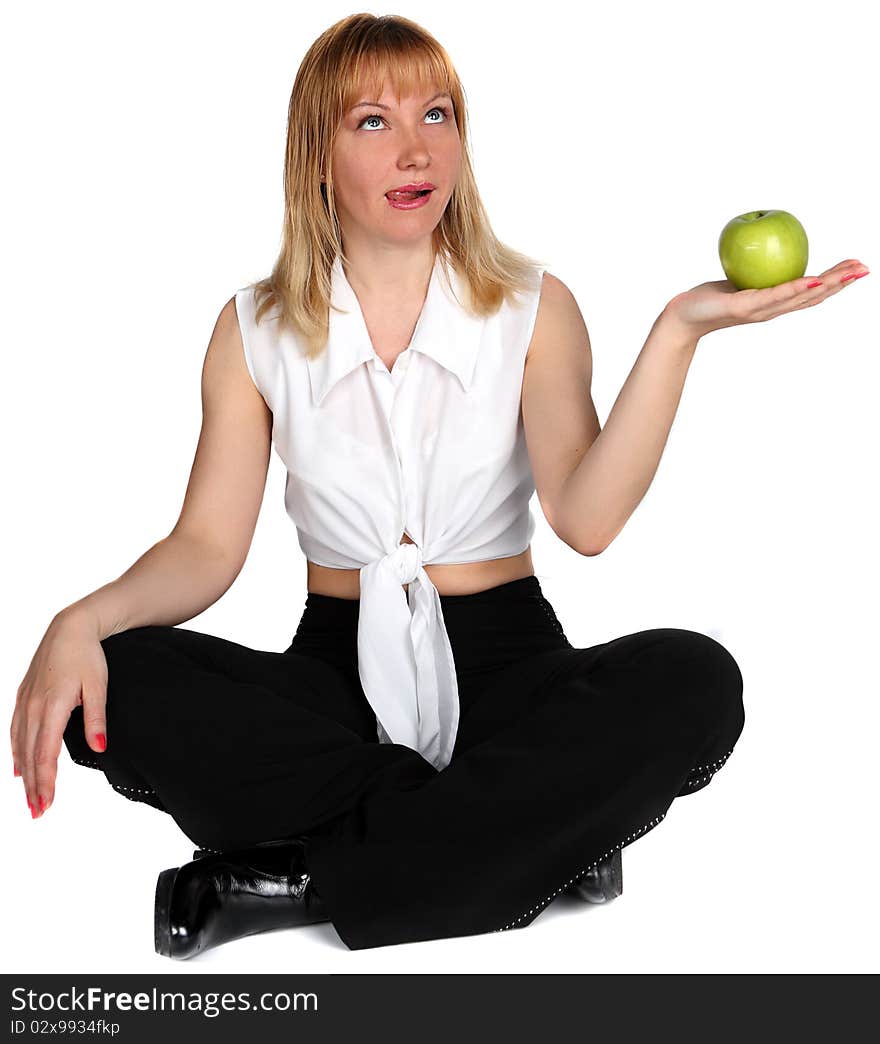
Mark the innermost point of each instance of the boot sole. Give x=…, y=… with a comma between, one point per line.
x=162, y=914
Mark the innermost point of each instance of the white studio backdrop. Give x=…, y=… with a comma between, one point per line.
x=143, y=186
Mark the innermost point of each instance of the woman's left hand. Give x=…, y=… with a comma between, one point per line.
x=717, y=305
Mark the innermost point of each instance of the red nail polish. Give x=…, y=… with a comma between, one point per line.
x=15, y=771
x=42, y=803
x=816, y=282
x=102, y=741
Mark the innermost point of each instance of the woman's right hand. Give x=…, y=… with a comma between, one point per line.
x=68, y=668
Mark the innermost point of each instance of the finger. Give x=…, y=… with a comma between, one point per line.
x=852, y=274
x=807, y=287
x=796, y=287
x=94, y=702
x=46, y=757
x=829, y=288
x=31, y=729
x=810, y=290
x=844, y=275
x=830, y=277
x=842, y=268
x=13, y=734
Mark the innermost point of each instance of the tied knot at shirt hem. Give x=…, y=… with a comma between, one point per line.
x=405, y=658
x=406, y=561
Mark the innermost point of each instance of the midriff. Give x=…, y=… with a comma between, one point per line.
x=464, y=578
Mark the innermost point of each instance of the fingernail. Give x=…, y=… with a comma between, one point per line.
x=816, y=282
x=15, y=771
x=859, y=276
x=42, y=803
x=102, y=741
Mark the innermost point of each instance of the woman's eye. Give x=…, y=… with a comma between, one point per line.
x=437, y=108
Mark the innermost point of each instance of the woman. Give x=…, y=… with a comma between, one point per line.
x=431, y=756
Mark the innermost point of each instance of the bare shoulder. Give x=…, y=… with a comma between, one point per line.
x=226, y=360
x=559, y=324
x=226, y=337
x=556, y=293
x=553, y=288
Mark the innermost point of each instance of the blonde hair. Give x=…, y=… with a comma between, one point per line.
x=359, y=54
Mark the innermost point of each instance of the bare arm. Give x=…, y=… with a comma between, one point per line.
x=559, y=416
x=191, y=568
x=175, y=580
x=609, y=481
x=590, y=481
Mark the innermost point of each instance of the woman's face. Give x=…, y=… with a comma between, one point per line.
x=382, y=146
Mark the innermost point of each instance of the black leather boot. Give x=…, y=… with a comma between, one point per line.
x=602, y=882
x=223, y=896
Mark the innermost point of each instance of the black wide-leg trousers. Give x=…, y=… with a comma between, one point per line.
x=563, y=755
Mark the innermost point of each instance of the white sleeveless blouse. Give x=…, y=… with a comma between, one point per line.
x=435, y=447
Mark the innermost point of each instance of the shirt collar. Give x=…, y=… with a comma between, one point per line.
x=444, y=331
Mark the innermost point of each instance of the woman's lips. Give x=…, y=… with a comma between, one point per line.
x=409, y=200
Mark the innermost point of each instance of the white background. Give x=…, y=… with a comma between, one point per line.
x=143, y=186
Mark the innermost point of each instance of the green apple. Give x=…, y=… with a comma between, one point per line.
x=763, y=248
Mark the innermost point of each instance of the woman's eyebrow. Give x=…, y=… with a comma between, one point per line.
x=379, y=105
